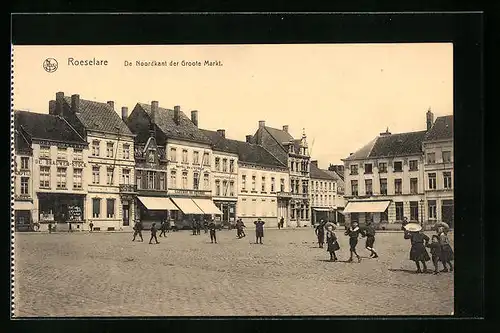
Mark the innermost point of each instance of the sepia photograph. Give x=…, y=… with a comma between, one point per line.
x=233, y=180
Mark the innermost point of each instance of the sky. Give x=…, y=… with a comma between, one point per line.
x=341, y=95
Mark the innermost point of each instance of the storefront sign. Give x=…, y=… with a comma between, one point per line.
x=43, y=161
x=23, y=173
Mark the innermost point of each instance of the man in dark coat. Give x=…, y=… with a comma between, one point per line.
x=163, y=228
x=369, y=233
x=153, y=234
x=320, y=233
x=353, y=233
x=240, y=233
x=205, y=225
x=213, y=228
x=198, y=226
x=138, y=230
x=193, y=226
x=259, y=230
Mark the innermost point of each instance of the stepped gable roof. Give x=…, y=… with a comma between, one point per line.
x=318, y=173
x=247, y=152
x=48, y=127
x=98, y=116
x=186, y=130
x=442, y=129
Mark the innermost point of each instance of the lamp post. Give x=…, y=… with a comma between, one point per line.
x=422, y=212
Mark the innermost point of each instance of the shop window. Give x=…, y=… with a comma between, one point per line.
x=413, y=165
x=447, y=180
x=355, y=217
x=96, y=207
x=77, y=178
x=432, y=181
x=95, y=175
x=126, y=151
x=25, y=185
x=383, y=186
x=110, y=208
x=25, y=163
x=384, y=216
x=61, y=178
x=432, y=209
x=44, y=177
x=109, y=176
x=413, y=185
x=399, y=211
x=398, y=166
x=414, y=210
x=398, y=186
x=368, y=217
x=109, y=149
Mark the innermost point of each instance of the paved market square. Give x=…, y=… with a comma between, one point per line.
x=106, y=274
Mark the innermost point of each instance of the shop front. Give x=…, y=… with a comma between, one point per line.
x=323, y=213
x=154, y=210
x=23, y=215
x=364, y=211
x=227, y=217
x=193, y=209
x=62, y=210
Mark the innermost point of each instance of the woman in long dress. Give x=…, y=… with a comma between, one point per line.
x=331, y=242
x=446, y=256
x=418, y=252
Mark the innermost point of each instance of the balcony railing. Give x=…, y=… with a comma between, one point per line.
x=188, y=192
x=128, y=188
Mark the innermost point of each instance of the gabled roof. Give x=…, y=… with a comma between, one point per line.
x=337, y=176
x=442, y=129
x=247, y=152
x=391, y=145
x=280, y=136
x=185, y=130
x=48, y=127
x=317, y=173
x=99, y=116
x=21, y=143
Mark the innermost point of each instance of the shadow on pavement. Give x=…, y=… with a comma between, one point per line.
x=410, y=271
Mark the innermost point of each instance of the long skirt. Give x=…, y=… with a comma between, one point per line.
x=333, y=246
x=419, y=253
x=446, y=253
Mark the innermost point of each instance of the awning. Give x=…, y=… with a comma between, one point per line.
x=366, y=206
x=207, y=206
x=187, y=206
x=322, y=209
x=156, y=203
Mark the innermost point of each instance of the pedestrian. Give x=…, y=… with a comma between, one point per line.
x=198, y=226
x=435, y=252
x=353, y=233
x=419, y=240
x=91, y=226
x=446, y=250
x=279, y=223
x=163, y=228
x=205, y=225
x=320, y=233
x=69, y=227
x=153, y=234
x=50, y=228
x=137, y=230
x=193, y=226
x=331, y=242
x=168, y=225
x=259, y=230
x=405, y=222
x=240, y=233
x=369, y=233
x=213, y=229
x=282, y=222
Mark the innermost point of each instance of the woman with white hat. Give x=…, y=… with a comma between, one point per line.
x=419, y=240
x=446, y=251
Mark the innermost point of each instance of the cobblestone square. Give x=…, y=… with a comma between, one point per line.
x=106, y=274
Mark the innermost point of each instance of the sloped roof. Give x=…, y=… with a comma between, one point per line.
x=442, y=129
x=279, y=135
x=46, y=127
x=99, y=116
x=317, y=173
x=21, y=143
x=247, y=152
x=186, y=130
x=337, y=176
x=363, y=152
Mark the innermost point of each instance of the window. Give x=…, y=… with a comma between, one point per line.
x=282, y=185
x=77, y=154
x=184, y=156
x=184, y=179
x=297, y=186
x=173, y=155
x=398, y=166
x=217, y=187
x=62, y=153
x=231, y=188
x=109, y=176
x=162, y=181
x=413, y=165
x=446, y=156
x=263, y=184
x=272, y=184
x=383, y=186
x=243, y=182
x=44, y=152
x=398, y=186
x=431, y=158
x=151, y=179
x=61, y=178
x=25, y=185
x=138, y=179
x=368, y=168
x=399, y=211
x=292, y=186
x=224, y=165
x=291, y=165
x=382, y=167
x=447, y=180
x=206, y=181
x=253, y=183
x=368, y=187
x=432, y=181
x=231, y=165
x=297, y=166
x=432, y=209
x=45, y=177
x=217, y=164
x=173, y=179
x=77, y=178
x=304, y=187
x=196, y=157
x=25, y=163
x=413, y=185
x=414, y=210
x=206, y=159
x=224, y=187
x=354, y=169
x=354, y=187
x=96, y=207
x=196, y=180
x=126, y=176
x=109, y=149
x=126, y=151
x=110, y=208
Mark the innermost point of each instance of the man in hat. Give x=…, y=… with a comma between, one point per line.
x=320, y=233
x=137, y=230
x=353, y=233
x=240, y=233
x=259, y=230
x=163, y=228
x=213, y=228
x=153, y=234
x=369, y=233
x=193, y=226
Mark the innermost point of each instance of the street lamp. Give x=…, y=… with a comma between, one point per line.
x=422, y=212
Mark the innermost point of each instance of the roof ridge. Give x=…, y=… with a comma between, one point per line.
x=279, y=143
x=373, y=145
x=71, y=126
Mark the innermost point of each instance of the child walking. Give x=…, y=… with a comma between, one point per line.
x=153, y=234
x=331, y=241
x=418, y=253
x=435, y=252
x=446, y=250
x=369, y=233
x=353, y=233
x=212, y=227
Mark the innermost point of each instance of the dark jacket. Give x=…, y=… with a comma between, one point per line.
x=153, y=230
x=353, y=233
x=368, y=231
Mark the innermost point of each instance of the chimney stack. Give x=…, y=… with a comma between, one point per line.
x=59, y=103
x=315, y=163
x=52, y=107
x=154, y=111
x=221, y=132
x=386, y=132
x=177, y=111
x=262, y=123
x=285, y=128
x=194, y=117
x=75, y=103
x=430, y=119
x=248, y=139
x=111, y=104
x=124, y=113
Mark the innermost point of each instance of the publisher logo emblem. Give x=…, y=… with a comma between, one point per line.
x=50, y=65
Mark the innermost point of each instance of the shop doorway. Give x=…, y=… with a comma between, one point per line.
x=126, y=215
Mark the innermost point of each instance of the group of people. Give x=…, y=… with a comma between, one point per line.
x=259, y=229
x=353, y=232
